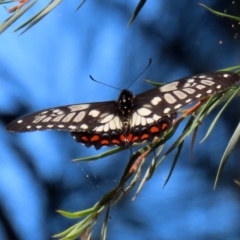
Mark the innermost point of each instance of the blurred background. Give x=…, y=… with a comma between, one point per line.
x=49, y=66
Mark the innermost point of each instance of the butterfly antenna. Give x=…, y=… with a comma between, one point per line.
x=149, y=63
x=104, y=83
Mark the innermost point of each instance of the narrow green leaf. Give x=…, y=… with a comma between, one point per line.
x=66, y=232
x=219, y=13
x=78, y=214
x=8, y=22
x=218, y=115
x=231, y=144
x=104, y=225
x=155, y=84
x=231, y=69
x=149, y=172
x=101, y=155
x=35, y=19
x=174, y=162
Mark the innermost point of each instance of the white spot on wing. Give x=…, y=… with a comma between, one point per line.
x=20, y=121
x=94, y=113
x=178, y=106
x=78, y=107
x=44, y=112
x=38, y=126
x=149, y=120
x=180, y=94
x=156, y=100
x=68, y=117
x=79, y=117
x=38, y=119
x=209, y=91
x=99, y=128
x=29, y=126
x=169, y=87
x=58, y=118
x=189, y=90
x=199, y=95
x=200, y=87
x=207, y=82
x=60, y=126
x=186, y=85
x=167, y=110
x=156, y=117
x=225, y=75
x=108, y=118
x=143, y=121
x=188, y=100
x=202, y=76
x=47, y=119
x=54, y=111
x=112, y=125
x=106, y=127
x=50, y=126
x=218, y=86
x=84, y=126
x=147, y=106
x=72, y=127
x=170, y=98
x=118, y=122
x=144, y=111
x=190, y=80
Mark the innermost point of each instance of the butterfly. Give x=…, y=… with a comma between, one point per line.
x=131, y=119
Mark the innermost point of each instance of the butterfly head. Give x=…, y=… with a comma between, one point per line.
x=125, y=102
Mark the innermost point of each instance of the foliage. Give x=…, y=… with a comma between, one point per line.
x=134, y=175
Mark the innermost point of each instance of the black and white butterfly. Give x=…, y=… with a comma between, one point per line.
x=130, y=119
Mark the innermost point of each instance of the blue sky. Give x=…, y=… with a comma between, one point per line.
x=49, y=66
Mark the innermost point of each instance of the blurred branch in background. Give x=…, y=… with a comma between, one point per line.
x=19, y=10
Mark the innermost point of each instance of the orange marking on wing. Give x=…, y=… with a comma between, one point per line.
x=144, y=136
x=95, y=138
x=135, y=138
x=104, y=142
x=84, y=138
x=115, y=141
x=129, y=137
x=122, y=138
x=154, y=129
x=164, y=126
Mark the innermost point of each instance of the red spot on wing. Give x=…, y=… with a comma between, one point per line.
x=144, y=136
x=135, y=138
x=122, y=138
x=105, y=142
x=164, y=126
x=129, y=137
x=154, y=129
x=84, y=138
x=94, y=138
x=115, y=141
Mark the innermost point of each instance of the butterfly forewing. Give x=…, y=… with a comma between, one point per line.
x=78, y=117
x=170, y=97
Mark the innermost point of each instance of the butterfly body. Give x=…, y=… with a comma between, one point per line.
x=130, y=119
